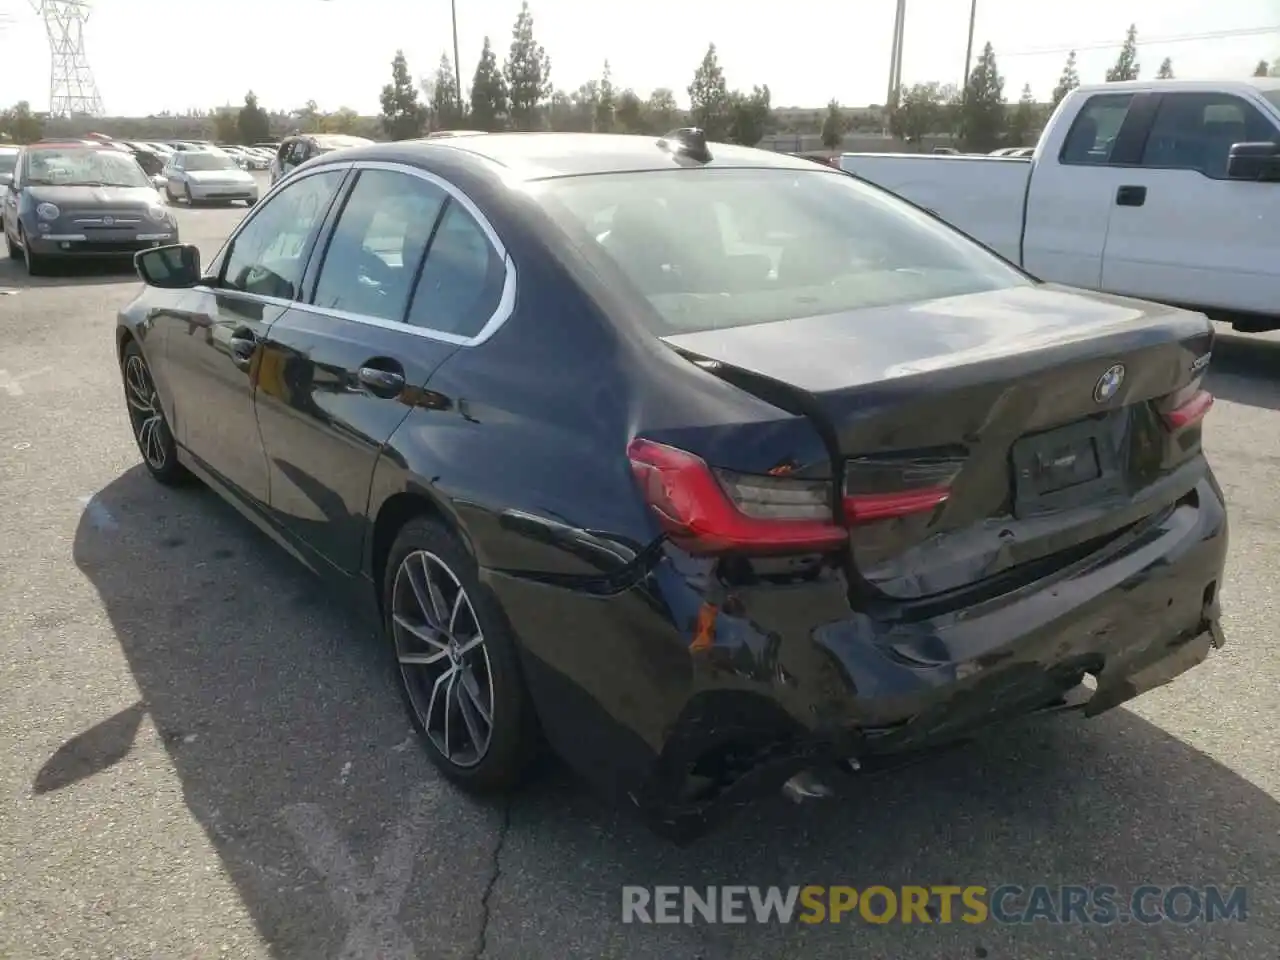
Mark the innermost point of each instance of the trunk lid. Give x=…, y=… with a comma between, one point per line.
x=1031, y=408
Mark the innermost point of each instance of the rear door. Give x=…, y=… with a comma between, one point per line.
x=1073, y=189
x=407, y=278
x=1180, y=231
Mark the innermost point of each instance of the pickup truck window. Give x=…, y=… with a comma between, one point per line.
x=1195, y=131
x=1093, y=135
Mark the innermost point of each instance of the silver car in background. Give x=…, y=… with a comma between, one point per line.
x=205, y=176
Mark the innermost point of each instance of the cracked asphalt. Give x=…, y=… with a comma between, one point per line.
x=202, y=756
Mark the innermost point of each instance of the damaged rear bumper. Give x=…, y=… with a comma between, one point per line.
x=787, y=679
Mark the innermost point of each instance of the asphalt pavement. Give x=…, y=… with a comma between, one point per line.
x=203, y=757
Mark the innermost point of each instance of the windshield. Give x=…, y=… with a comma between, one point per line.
x=84, y=167
x=208, y=161
x=715, y=248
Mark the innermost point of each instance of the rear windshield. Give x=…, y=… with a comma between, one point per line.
x=714, y=248
x=85, y=167
x=208, y=161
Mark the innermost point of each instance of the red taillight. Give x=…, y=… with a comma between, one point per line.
x=889, y=486
x=1187, y=407
x=867, y=507
x=711, y=512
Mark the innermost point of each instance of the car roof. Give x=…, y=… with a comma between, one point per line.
x=537, y=156
x=337, y=140
x=1239, y=85
x=69, y=145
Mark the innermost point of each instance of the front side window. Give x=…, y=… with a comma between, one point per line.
x=268, y=256
x=1195, y=131
x=378, y=243
x=1092, y=136
x=8, y=160
x=84, y=167
x=714, y=248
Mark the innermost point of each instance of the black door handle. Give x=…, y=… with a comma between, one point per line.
x=382, y=383
x=1131, y=196
x=242, y=347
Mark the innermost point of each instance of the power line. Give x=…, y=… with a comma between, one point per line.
x=1113, y=44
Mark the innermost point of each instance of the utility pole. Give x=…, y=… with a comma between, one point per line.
x=968, y=50
x=895, y=56
x=457, y=67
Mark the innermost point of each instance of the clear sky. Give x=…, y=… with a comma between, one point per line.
x=149, y=56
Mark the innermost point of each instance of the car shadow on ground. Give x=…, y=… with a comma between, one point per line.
x=13, y=275
x=1246, y=369
x=279, y=716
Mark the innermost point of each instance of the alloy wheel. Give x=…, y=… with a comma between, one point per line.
x=443, y=658
x=144, y=412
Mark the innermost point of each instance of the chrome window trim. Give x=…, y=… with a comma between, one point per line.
x=506, y=302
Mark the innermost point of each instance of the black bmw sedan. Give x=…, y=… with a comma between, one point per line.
x=717, y=470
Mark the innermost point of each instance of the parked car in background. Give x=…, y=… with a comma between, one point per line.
x=203, y=176
x=710, y=465
x=297, y=150
x=1163, y=189
x=79, y=199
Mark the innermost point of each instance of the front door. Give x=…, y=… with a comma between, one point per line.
x=1180, y=231
x=387, y=307
x=213, y=345
x=1070, y=195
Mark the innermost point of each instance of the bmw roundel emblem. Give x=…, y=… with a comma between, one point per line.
x=1108, y=384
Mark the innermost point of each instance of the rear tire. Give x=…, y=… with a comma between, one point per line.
x=146, y=415
x=455, y=661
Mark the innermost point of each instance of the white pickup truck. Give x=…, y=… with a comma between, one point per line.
x=1167, y=190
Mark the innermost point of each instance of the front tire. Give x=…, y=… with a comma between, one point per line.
x=146, y=415
x=457, y=666
x=14, y=251
x=186, y=191
x=35, y=263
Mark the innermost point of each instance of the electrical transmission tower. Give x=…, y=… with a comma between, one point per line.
x=72, y=89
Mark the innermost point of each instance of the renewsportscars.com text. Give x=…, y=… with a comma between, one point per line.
x=1098, y=904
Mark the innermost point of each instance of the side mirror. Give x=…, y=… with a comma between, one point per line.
x=1254, y=161
x=174, y=267
x=158, y=181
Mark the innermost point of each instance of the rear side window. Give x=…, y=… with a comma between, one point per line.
x=462, y=279
x=714, y=248
x=377, y=245
x=1092, y=136
x=1195, y=131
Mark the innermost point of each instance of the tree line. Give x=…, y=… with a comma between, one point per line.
x=518, y=94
